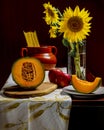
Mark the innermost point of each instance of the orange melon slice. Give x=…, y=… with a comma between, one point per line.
x=84, y=86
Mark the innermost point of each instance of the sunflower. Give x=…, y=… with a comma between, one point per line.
x=51, y=13
x=75, y=24
x=53, y=31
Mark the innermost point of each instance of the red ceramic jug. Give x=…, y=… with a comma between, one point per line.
x=46, y=54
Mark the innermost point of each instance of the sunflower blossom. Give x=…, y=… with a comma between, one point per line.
x=75, y=24
x=53, y=31
x=51, y=14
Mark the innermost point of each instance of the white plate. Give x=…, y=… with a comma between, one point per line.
x=72, y=92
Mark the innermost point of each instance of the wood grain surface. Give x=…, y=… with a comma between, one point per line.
x=18, y=92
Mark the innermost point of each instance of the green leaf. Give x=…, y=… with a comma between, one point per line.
x=72, y=51
x=65, y=42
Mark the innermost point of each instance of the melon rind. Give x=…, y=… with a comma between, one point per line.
x=84, y=86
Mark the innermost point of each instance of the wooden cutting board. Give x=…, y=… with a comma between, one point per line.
x=18, y=92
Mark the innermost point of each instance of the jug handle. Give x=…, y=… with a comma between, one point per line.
x=24, y=52
x=54, y=50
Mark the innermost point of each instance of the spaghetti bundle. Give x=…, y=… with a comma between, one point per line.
x=31, y=39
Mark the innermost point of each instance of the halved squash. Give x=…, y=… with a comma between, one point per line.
x=84, y=86
x=28, y=72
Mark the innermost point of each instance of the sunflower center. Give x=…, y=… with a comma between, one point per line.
x=75, y=24
x=50, y=12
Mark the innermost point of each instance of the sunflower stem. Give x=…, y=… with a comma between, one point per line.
x=77, y=63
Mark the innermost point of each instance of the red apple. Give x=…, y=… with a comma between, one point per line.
x=59, y=77
x=53, y=74
x=64, y=80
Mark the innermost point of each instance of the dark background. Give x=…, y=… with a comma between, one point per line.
x=27, y=15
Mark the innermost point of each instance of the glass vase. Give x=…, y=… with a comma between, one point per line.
x=77, y=64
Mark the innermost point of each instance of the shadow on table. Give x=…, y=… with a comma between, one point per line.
x=87, y=118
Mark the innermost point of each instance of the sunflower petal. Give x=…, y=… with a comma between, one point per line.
x=76, y=11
